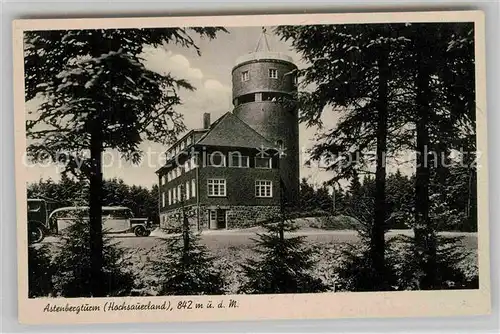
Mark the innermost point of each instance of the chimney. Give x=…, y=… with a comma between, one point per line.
x=206, y=120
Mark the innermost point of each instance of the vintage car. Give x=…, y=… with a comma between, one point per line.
x=115, y=219
x=38, y=220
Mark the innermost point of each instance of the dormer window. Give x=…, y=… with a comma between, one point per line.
x=245, y=76
x=217, y=159
x=273, y=73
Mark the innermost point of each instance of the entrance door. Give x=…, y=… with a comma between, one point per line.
x=221, y=218
x=217, y=219
x=212, y=222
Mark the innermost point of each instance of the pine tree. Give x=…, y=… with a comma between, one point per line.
x=73, y=276
x=186, y=267
x=40, y=271
x=284, y=263
x=353, y=69
x=440, y=76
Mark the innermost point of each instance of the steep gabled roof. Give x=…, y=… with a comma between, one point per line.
x=230, y=131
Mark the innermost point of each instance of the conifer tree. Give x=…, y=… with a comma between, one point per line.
x=40, y=271
x=186, y=267
x=440, y=77
x=354, y=70
x=284, y=262
x=73, y=276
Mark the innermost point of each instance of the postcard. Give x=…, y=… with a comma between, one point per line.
x=250, y=167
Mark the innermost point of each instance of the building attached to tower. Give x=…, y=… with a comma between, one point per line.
x=242, y=168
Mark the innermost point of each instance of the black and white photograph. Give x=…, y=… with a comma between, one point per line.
x=263, y=159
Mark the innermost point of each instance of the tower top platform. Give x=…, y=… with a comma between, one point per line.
x=263, y=55
x=263, y=52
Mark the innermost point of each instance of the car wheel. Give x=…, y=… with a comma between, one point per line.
x=35, y=234
x=140, y=231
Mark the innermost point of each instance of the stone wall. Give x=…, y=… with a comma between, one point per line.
x=237, y=216
x=173, y=218
x=249, y=216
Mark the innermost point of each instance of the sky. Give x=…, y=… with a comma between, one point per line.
x=210, y=74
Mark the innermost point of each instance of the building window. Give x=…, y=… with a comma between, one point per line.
x=187, y=190
x=193, y=188
x=180, y=195
x=183, y=144
x=273, y=73
x=174, y=196
x=163, y=199
x=217, y=159
x=193, y=162
x=217, y=187
x=165, y=179
x=263, y=188
x=238, y=160
x=258, y=97
x=245, y=76
x=187, y=166
x=169, y=196
x=263, y=162
x=188, y=141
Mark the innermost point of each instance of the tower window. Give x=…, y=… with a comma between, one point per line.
x=245, y=76
x=273, y=97
x=247, y=98
x=273, y=73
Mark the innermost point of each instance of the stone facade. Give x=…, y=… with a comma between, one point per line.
x=248, y=216
x=173, y=218
x=240, y=216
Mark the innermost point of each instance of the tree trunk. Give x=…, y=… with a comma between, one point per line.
x=377, y=248
x=425, y=237
x=95, y=203
x=185, y=222
x=281, y=222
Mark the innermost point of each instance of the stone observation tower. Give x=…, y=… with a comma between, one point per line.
x=261, y=79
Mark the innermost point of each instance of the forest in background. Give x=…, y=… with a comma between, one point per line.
x=457, y=212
